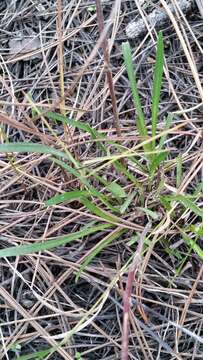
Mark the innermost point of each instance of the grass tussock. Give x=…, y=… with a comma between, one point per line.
x=101, y=219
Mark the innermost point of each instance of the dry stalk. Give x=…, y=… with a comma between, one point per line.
x=60, y=52
x=109, y=76
x=127, y=294
x=188, y=302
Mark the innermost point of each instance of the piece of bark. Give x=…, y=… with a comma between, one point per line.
x=157, y=18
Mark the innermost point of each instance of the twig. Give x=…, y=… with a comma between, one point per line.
x=188, y=302
x=156, y=18
x=60, y=52
x=105, y=48
x=127, y=294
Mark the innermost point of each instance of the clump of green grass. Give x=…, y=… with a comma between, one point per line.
x=153, y=152
x=110, y=203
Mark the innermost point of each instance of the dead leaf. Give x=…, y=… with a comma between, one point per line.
x=25, y=44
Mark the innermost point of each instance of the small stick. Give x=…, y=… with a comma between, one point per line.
x=60, y=50
x=105, y=48
x=127, y=294
x=156, y=18
x=188, y=302
x=60, y=53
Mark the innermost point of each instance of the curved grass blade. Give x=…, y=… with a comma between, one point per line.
x=32, y=148
x=158, y=75
x=123, y=170
x=93, y=191
x=127, y=202
x=129, y=67
x=157, y=159
x=38, y=355
x=97, y=211
x=188, y=204
x=43, y=149
x=74, y=123
x=193, y=245
x=67, y=196
x=116, y=190
x=50, y=244
x=100, y=246
x=95, y=135
x=167, y=125
x=148, y=212
x=77, y=124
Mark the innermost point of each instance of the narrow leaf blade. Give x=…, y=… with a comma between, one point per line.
x=67, y=196
x=99, y=247
x=50, y=244
x=158, y=75
x=98, y=211
x=129, y=67
x=116, y=190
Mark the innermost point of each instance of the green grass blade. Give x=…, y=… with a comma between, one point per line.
x=73, y=123
x=93, y=191
x=187, y=203
x=179, y=171
x=100, y=246
x=43, y=149
x=78, y=356
x=32, y=148
x=70, y=170
x=123, y=170
x=167, y=125
x=198, y=189
x=198, y=230
x=98, y=211
x=50, y=244
x=148, y=212
x=127, y=202
x=77, y=124
x=158, y=75
x=193, y=245
x=129, y=67
x=94, y=134
x=67, y=196
x=157, y=159
x=116, y=190
x=38, y=355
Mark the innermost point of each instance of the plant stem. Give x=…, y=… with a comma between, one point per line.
x=109, y=76
x=127, y=294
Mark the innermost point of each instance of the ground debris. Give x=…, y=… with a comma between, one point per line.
x=23, y=44
x=156, y=18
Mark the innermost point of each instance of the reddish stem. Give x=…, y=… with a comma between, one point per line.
x=109, y=76
x=128, y=291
